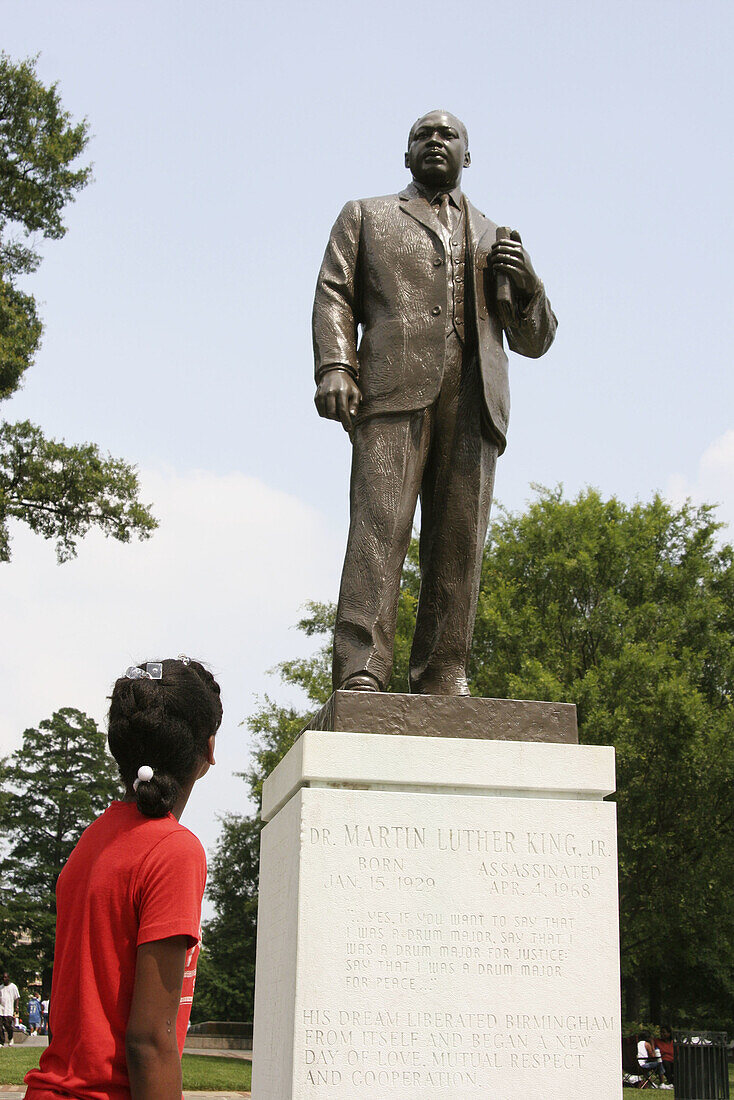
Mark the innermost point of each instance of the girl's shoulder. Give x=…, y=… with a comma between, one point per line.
x=122, y=841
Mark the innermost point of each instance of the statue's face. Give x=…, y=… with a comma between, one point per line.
x=437, y=150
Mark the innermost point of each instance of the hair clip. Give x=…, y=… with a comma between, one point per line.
x=152, y=671
x=184, y=659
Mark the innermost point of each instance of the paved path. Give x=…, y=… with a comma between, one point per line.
x=244, y=1055
x=14, y=1092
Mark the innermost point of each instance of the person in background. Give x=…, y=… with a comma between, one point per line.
x=44, y=1016
x=648, y=1059
x=9, y=1001
x=129, y=901
x=667, y=1052
x=34, y=1014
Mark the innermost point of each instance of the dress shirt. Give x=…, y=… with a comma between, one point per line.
x=454, y=242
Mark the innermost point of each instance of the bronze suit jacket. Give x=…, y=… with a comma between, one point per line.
x=384, y=273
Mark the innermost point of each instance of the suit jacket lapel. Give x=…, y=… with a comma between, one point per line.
x=413, y=203
x=479, y=229
x=477, y=225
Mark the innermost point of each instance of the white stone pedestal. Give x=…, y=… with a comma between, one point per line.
x=438, y=918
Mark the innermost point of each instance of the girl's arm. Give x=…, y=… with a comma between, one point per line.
x=151, y=1048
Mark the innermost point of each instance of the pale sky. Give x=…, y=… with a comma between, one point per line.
x=225, y=138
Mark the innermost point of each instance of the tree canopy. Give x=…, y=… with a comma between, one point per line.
x=61, y=490
x=39, y=144
x=628, y=612
x=225, y=982
x=60, y=779
x=58, y=490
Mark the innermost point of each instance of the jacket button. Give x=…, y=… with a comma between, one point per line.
x=436, y=311
x=437, y=262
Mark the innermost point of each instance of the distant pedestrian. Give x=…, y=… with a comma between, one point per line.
x=34, y=1014
x=9, y=1001
x=44, y=1017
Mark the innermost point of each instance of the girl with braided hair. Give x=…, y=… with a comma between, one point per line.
x=129, y=901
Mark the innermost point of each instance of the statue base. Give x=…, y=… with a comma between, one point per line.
x=447, y=716
x=438, y=913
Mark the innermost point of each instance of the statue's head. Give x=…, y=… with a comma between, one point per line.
x=438, y=149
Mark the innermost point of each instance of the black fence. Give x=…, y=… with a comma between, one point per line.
x=701, y=1065
x=225, y=1029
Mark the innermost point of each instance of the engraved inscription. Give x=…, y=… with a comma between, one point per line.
x=423, y=1048
x=496, y=917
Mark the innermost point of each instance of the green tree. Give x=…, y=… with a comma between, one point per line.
x=225, y=983
x=59, y=490
x=629, y=613
x=58, y=781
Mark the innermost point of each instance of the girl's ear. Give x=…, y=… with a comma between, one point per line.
x=210, y=749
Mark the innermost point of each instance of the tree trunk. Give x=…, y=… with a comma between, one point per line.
x=654, y=994
x=46, y=975
x=631, y=994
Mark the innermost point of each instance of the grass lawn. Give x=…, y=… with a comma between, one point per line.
x=209, y=1073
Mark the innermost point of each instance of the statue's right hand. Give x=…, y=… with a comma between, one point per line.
x=338, y=397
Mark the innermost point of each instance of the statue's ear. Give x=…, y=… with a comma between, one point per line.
x=467, y=159
x=407, y=161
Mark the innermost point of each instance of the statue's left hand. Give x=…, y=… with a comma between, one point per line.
x=508, y=257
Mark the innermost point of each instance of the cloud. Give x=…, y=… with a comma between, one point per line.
x=222, y=579
x=713, y=481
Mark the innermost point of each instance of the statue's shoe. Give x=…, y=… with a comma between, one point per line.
x=453, y=685
x=360, y=681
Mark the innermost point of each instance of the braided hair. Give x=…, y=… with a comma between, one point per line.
x=166, y=725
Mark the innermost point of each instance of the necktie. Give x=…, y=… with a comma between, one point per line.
x=444, y=215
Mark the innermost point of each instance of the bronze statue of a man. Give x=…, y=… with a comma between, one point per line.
x=412, y=298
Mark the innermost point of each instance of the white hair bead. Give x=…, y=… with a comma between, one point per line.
x=145, y=774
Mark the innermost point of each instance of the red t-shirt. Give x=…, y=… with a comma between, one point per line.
x=665, y=1046
x=130, y=880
